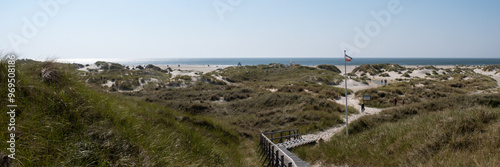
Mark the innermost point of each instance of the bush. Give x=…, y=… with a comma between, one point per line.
x=384, y=75
x=53, y=73
x=183, y=77
x=153, y=67
x=329, y=67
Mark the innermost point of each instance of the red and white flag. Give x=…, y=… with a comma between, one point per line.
x=347, y=58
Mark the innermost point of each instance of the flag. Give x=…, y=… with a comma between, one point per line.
x=347, y=58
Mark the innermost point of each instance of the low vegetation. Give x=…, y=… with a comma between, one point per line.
x=144, y=116
x=460, y=130
x=62, y=121
x=258, y=98
x=375, y=69
x=329, y=67
x=418, y=90
x=492, y=68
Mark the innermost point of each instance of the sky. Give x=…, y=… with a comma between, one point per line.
x=133, y=29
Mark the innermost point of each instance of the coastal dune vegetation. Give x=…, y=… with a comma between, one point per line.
x=108, y=114
x=449, y=119
x=89, y=118
x=460, y=130
x=60, y=120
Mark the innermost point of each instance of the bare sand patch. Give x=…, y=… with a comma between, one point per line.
x=490, y=74
x=196, y=68
x=355, y=85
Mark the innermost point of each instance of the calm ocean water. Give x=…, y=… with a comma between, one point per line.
x=302, y=61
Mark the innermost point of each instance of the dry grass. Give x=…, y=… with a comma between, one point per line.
x=457, y=131
x=61, y=121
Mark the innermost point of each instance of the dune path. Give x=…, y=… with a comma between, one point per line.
x=351, y=101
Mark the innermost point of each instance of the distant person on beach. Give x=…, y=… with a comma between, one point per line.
x=395, y=101
x=362, y=107
x=239, y=64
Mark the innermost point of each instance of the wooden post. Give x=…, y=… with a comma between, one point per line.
x=277, y=157
x=281, y=139
x=272, y=156
x=289, y=135
x=289, y=164
x=282, y=160
x=269, y=153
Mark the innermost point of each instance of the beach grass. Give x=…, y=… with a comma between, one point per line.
x=461, y=130
x=417, y=90
x=259, y=98
x=61, y=121
x=213, y=119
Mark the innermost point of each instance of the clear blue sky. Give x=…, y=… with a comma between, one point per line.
x=254, y=28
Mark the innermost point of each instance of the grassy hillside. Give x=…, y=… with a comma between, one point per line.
x=67, y=117
x=257, y=98
x=456, y=81
x=495, y=68
x=375, y=69
x=460, y=130
x=61, y=121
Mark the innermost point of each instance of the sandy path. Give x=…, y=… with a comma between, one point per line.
x=353, y=102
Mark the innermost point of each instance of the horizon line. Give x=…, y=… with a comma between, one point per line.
x=285, y=58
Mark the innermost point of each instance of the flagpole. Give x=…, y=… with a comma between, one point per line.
x=345, y=80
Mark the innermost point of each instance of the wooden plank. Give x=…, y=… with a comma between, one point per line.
x=297, y=160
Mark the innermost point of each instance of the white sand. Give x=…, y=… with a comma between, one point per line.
x=394, y=75
x=356, y=86
x=185, y=72
x=108, y=83
x=354, y=102
x=196, y=68
x=91, y=66
x=490, y=74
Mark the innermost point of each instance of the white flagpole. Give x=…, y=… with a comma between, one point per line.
x=345, y=80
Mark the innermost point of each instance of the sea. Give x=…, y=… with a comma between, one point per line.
x=301, y=61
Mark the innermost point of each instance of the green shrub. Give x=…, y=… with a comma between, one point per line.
x=329, y=67
x=384, y=75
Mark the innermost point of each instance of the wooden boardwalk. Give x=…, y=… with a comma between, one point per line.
x=278, y=154
x=294, y=143
x=299, y=162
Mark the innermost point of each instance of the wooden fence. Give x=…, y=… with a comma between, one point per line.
x=273, y=154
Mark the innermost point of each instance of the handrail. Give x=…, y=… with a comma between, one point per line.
x=282, y=136
x=274, y=145
x=268, y=133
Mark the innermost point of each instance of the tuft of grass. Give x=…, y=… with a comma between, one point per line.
x=384, y=75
